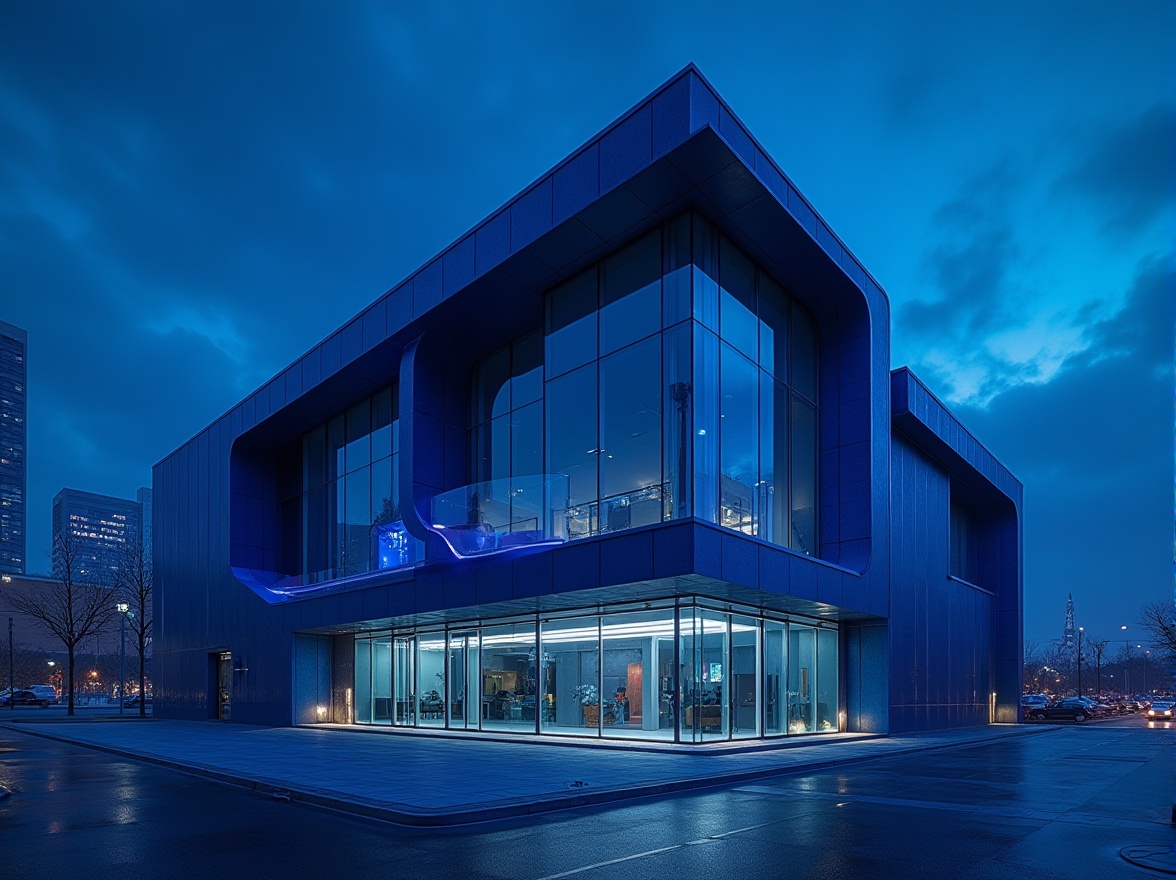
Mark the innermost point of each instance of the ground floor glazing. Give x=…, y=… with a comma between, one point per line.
x=680, y=673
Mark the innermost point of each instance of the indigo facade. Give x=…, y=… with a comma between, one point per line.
x=627, y=460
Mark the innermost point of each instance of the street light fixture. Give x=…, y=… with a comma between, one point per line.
x=1081, y=630
x=11, y=678
x=123, y=610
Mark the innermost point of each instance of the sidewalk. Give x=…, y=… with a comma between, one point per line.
x=426, y=780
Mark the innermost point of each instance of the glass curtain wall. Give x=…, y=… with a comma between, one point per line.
x=510, y=677
x=745, y=678
x=637, y=659
x=350, y=520
x=802, y=667
x=571, y=655
x=775, y=661
x=674, y=378
x=431, y=680
x=618, y=675
x=463, y=691
x=363, y=681
x=403, y=695
x=828, y=716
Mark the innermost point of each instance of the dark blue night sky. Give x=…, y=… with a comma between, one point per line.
x=192, y=195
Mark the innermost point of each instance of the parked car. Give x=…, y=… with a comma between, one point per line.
x=23, y=698
x=132, y=702
x=44, y=691
x=1069, y=708
x=1159, y=709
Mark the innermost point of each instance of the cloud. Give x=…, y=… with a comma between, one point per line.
x=1093, y=448
x=975, y=269
x=1128, y=175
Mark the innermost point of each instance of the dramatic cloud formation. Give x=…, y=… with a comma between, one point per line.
x=1130, y=174
x=191, y=195
x=1093, y=448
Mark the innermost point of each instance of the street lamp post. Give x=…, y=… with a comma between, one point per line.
x=1081, y=630
x=123, y=608
x=1126, y=661
x=11, y=677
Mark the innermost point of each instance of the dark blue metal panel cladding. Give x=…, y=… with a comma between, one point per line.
x=955, y=642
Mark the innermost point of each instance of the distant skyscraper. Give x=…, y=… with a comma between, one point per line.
x=14, y=373
x=1070, y=634
x=143, y=497
x=101, y=525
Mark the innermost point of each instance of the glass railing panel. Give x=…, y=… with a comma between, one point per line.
x=498, y=515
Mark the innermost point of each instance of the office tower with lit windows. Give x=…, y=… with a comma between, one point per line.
x=14, y=374
x=100, y=525
x=143, y=497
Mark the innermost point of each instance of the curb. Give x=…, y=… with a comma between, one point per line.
x=436, y=818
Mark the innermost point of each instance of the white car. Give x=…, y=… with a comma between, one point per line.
x=44, y=692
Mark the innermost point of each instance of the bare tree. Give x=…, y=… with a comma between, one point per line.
x=1158, y=619
x=135, y=588
x=72, y=609
x=1032, y=661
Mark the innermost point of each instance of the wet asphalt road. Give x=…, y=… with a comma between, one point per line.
x=1061, y=804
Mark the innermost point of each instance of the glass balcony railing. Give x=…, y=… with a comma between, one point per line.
x=500, y=515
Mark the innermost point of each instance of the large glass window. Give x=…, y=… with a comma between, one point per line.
x=462, y=685
x=573, y=447
x=571, y=659
x=630, y=436
x=689, y=684
x=737, y=320
x=404, y=693
x=775, y=681
x=572, y=321
x=350, y=520
x=802, y=668
x=677, y=407
x=745, y=680
x=804, y=476
x=827, y=684
x=363, y=681
x=617, y=675
x=630, y=293
x=678, y=379
x=637, y=661
x=739, y=443
x=510, y=683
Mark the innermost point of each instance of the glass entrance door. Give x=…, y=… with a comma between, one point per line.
x=465, y=694
x=404, y=681
x=224, y=686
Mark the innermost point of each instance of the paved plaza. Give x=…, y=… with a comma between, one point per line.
x=425, y=779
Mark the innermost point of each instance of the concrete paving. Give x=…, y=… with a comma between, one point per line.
x=423, y=779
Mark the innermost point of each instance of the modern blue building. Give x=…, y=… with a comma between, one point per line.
x=626, y=460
